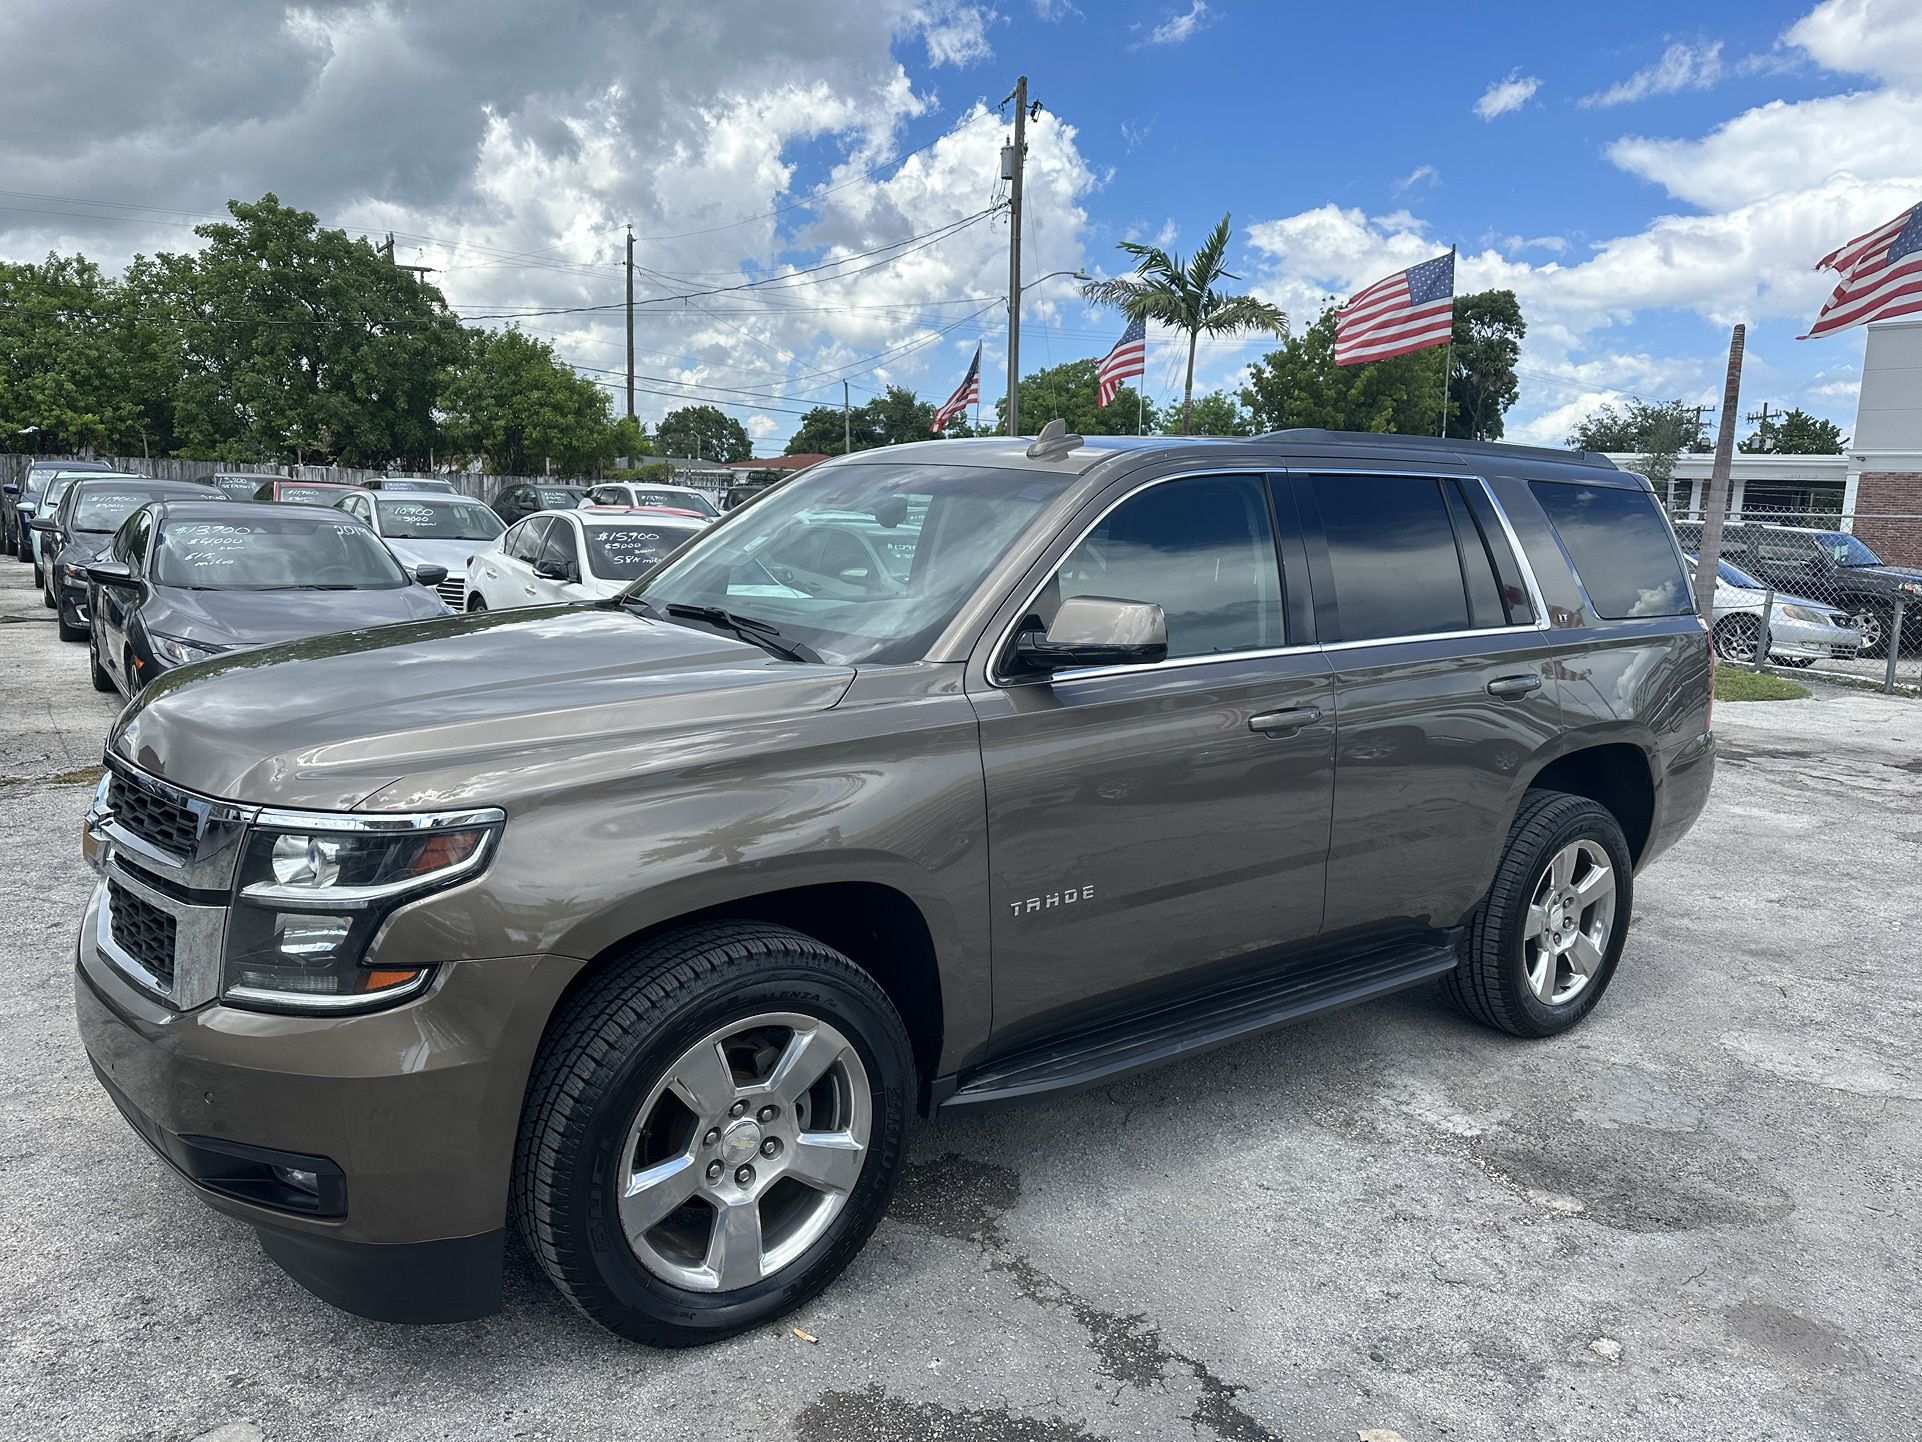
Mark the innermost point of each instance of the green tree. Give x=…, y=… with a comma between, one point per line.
x=1300, y=384
x=1068, y=392
x=1184, y=298
x=1488, y=343
x=1215, y=414
x=1796, y=433
x=1658, y=430
x=65, y=378
x=900, y=416
x=514, y=403
x=824, y=431
x=628, y=437
x=302, y=341
x=706, y=433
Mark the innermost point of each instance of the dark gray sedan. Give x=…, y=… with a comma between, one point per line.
x=81, y=529
x=185, y=580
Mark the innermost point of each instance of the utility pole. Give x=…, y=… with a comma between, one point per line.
x=847, y=422
x=1715, y=508
x=1762, y=416
x=1013, y=161
x=630, y=322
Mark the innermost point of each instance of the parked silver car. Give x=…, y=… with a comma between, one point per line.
x=1801, y=631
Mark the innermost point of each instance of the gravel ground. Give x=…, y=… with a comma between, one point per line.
x=1694, y=1217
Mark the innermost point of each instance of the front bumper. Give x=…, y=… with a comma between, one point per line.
x=1789, y=637
x=414, y=1109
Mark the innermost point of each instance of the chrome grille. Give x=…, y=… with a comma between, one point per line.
x=143, y=931
x=452, y=591
x=171, y=827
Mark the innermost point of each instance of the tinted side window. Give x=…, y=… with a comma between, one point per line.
x=1202, y=549
x=527, y=538
x=561, y=548
x=1392, y=553
x=1621, y=546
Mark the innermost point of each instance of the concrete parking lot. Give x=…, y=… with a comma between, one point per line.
x=1695, y=1217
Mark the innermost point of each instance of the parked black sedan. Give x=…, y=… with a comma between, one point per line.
x=81, y=529
x=517, y=503
x=13, y=529
x=185, y=580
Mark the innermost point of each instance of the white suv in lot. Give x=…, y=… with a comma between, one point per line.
x=554, y=557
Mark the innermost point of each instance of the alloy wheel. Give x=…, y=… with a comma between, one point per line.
x=1869, y=623
x=1737, y=638
x=1571, y=917
x=744, y=1152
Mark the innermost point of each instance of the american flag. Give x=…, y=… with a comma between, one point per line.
x=1410, y=310
x=1128, y=359
x=1881, y=276
x=965, y=395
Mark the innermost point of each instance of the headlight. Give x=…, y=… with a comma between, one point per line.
x=1806, y=613
x=176, y=652
x=316, y=887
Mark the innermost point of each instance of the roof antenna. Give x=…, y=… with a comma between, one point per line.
x=1054, y=442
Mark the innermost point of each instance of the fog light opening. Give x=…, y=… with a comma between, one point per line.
x=299, y=1179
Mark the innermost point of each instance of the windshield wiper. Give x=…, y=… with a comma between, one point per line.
x=764, y=634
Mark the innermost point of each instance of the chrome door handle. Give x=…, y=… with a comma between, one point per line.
x=1510, y=687
x=1283, y=723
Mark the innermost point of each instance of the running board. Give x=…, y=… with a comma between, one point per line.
x=1116, y=1049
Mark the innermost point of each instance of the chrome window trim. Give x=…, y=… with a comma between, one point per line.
x=998, y=652
x=1536, y=601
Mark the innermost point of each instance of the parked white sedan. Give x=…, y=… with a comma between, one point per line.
x=554, y=557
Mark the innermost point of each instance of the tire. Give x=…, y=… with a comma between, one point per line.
x=1493, y=983
x=39, y=574
x=101, y=680
x=476, y=603
x=23, y=544
x=69, y=632
x=46, y=593
x=1873, y=621
x=1736, y=638
x=603, y=1079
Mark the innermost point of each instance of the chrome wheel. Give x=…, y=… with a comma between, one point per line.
x=1571, y=917
x=745, y=1152
x=1868, y=621
x=1737, y=638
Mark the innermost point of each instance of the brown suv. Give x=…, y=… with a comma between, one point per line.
x=946, y=776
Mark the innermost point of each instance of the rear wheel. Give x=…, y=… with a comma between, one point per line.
x=713, y=1128
x=1736, y=638
x=476, y=602
x=1544, y=944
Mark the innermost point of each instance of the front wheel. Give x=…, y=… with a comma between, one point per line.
x=476, y=603
x=1872, y=623
x=1544, y=943
x=69, y=631
x=101, y=680
x=713, y=1128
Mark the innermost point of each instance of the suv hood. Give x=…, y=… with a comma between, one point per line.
x=1891, y=576
x=487, y=695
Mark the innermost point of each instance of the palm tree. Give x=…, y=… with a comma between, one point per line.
x=1184, y=297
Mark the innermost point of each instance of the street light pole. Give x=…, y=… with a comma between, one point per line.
x=1017, y=155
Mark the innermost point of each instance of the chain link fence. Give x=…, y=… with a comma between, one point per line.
x=1831, y=594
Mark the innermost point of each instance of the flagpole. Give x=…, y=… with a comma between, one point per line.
x=1139, y=403
x=1448, y=357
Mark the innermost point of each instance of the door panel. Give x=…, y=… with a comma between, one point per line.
x=1141, y=833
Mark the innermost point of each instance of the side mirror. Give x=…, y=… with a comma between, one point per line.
x=112, y=573
x=555, y=571
x=40, y=523
x=10, y=488
x=426, y=575
x=1096, y=631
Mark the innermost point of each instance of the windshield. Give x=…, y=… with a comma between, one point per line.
x=859, y=562
x=680, y=500
x=1730, y=573
x=103, y=508
x=624, y=553
x=274, y=553
x=309, y=495
x=58, y=487
x=410, y=518
x=559, y=498
x=1845, y=550
x=410, y=483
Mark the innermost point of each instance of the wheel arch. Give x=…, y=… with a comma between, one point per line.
x=1613, y=774
x=879, y=928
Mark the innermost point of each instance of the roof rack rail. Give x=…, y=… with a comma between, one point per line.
x=1438, y=443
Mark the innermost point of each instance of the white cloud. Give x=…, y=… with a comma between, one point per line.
x=1681, y=67
x=1882, y=38
x=955, y=33
x=1179, y=28
x=1133, y=133
x=1420, y=174
x=1052, y=10
x=1506, y=95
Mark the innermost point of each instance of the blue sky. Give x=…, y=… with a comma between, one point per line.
x=1641, y=184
